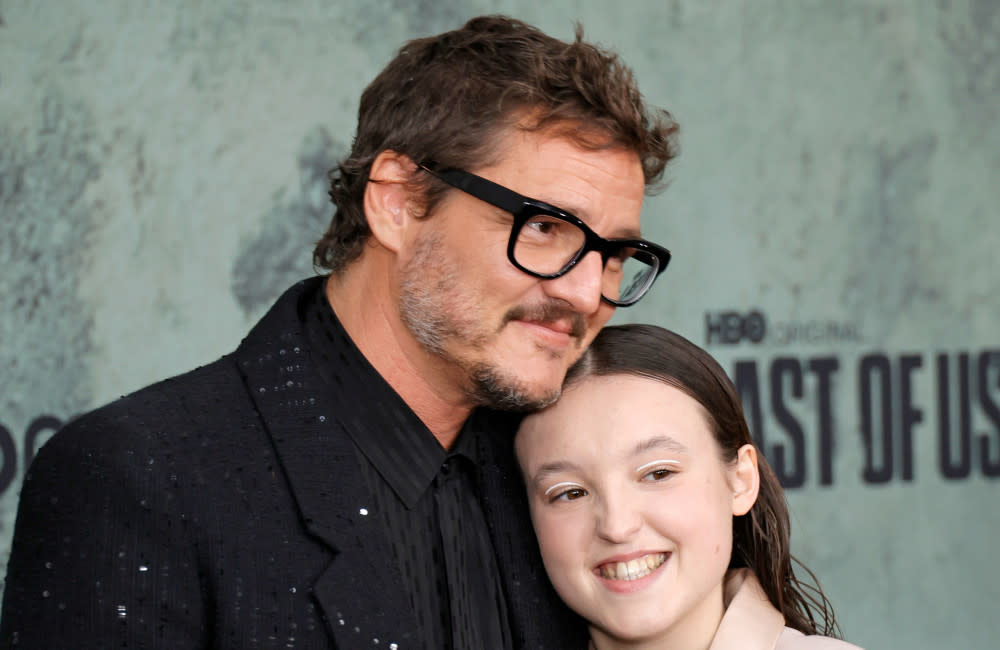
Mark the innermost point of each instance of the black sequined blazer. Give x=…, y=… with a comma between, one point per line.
x=210, y=511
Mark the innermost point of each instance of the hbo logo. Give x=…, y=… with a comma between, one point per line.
x=730, y=327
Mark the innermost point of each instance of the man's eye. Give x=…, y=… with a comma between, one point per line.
x=616, y=259
x=615, y=264
x=542, y=225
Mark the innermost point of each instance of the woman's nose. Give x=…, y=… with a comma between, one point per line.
x=619, y=520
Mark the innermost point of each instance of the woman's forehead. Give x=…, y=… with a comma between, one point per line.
x=614, y=416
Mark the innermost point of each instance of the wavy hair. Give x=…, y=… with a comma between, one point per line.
x=449, y=98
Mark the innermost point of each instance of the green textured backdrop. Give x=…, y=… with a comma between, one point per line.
x=162, y=175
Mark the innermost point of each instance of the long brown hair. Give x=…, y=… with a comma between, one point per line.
x=448, y=98
x=760, y=537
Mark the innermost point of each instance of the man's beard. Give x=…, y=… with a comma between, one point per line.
x=492, y=388
x=436, y=312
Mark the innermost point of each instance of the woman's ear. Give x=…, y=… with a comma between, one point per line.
x=745, y=480
x=386, y=198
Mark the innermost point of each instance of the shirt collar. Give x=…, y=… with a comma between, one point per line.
x=384, y=428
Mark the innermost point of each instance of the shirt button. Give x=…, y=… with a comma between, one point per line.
x=445, y=468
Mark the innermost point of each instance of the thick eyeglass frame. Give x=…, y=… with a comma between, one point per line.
x=524, y=208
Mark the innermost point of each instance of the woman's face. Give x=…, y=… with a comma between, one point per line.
x=633, y=506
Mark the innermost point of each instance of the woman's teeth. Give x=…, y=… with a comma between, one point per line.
x=633, y=569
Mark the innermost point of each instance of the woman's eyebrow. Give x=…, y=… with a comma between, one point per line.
x=667, y=461
x=663, y=442
x=548, y=469
x=558, y=485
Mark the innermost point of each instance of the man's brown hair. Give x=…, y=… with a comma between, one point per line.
x=447, y=99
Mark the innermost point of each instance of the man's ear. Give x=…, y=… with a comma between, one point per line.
x=744, y=477
x=386, y=198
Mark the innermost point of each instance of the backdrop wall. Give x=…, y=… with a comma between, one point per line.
x=833, y=218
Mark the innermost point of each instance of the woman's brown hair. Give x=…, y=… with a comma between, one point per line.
x=760, y=537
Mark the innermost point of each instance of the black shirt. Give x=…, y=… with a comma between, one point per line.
x=426, y=497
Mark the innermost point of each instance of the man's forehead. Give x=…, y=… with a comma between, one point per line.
x=594, y=184
x=518, y=140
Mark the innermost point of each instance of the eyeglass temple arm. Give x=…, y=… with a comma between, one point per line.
x=481, y=188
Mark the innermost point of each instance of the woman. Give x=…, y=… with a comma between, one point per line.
x=657, y=519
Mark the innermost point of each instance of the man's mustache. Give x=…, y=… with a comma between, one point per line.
x=549, y=312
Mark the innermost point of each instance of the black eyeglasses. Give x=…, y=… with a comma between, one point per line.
x=546, y=242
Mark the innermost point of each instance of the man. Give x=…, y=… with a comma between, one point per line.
x=331, y=483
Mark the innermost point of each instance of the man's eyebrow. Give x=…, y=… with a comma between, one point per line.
x=663, y=442
x=625, y=233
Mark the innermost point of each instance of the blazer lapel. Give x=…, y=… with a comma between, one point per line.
x=360, y=593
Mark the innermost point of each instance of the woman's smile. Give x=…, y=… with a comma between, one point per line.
x=632, y=569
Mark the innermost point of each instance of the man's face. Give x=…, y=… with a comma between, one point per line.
x=507, y=337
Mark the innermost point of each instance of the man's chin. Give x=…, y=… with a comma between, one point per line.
x=495, y=389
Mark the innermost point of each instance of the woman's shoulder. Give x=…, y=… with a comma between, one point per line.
x=792, y=639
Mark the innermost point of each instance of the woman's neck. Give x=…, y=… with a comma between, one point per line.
x=694, y=630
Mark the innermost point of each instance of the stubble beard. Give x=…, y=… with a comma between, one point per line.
x=436, y=312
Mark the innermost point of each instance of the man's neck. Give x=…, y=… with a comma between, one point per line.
x=372, y=321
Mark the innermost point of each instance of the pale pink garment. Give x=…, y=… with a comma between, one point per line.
x=752, y=623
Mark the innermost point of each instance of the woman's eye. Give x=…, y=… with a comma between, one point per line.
x=658, y=474
x=570, y=495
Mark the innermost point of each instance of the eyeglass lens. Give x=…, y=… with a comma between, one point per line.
x=546, y=245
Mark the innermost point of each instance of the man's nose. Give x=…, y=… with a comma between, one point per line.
x=581, y=286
